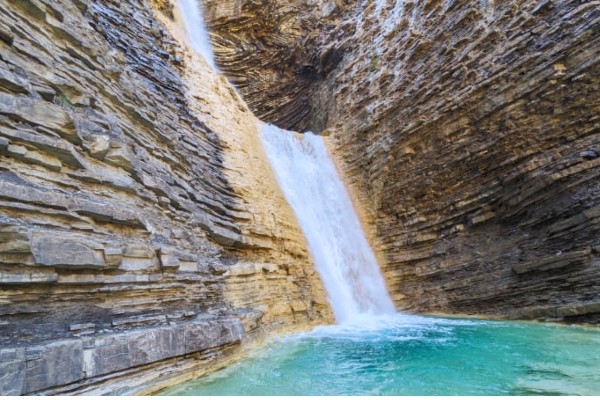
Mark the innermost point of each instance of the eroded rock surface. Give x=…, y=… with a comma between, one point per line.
x=278, y=53
x=126, y=215
x=469, y=130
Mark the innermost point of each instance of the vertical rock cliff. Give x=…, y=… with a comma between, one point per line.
x=476, y=149
x=143, y=236
x=469, y=130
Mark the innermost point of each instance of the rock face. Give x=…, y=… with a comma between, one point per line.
x=468, y=129
x=61, y=366
x=277, y=53
x=133, y=247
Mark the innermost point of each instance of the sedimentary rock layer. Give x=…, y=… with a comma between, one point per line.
x=277, y=53
x=126, y=214
x=469, y=130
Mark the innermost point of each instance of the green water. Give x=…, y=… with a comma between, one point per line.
x=411, y=355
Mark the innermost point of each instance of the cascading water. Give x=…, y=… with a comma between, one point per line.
x=341, y=253
x=312, y=186
x=197, y=36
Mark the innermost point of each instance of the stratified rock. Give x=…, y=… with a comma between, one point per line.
x=467, y=129
x=129, y=184
x=66, y=251
x=52, y=365
x=462, y=132
x=278, y=53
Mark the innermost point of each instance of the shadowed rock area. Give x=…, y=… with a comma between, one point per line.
x=278, y=54
x=469, y=131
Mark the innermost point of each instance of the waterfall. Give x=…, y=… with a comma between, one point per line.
x=197, y=36
x=311, y=185
x=342, y=255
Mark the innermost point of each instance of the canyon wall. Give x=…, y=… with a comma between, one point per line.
x=143, y=235
x=144, y=240
x=468, y=130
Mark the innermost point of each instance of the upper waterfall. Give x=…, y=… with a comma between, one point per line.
x=197, y=35
x=340, y=250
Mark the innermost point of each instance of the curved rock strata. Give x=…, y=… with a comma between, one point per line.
x=278, y=53
x=143, y=235
x=469, y=130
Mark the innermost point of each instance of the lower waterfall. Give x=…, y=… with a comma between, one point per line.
x=342, y=255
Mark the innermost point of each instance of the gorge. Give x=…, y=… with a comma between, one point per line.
x=145, y=239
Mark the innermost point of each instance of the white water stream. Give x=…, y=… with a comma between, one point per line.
x=324, y=210
x=197, y=34
x=339, y=248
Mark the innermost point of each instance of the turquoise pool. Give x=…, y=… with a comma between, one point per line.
x=413, y=355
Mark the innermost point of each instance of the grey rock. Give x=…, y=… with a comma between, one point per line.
x=588, y=154
x=126, y=350
x=559, y=260
x=13, y=82
x=28, y=275
x=204, y=334
x=81, y=327
x=39, y=113
x=66, y=250
x=54, y=364
x=12, y=372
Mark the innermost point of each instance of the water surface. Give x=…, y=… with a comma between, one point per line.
x=412, y=355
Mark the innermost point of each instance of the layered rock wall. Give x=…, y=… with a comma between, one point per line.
x=278, y=53
x=131, y=235
x=143, y=237
x=469, y=130
x=476, y=148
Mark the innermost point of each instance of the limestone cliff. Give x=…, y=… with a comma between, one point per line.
x=277, y=53
x=143, y=236
x=469, y=130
